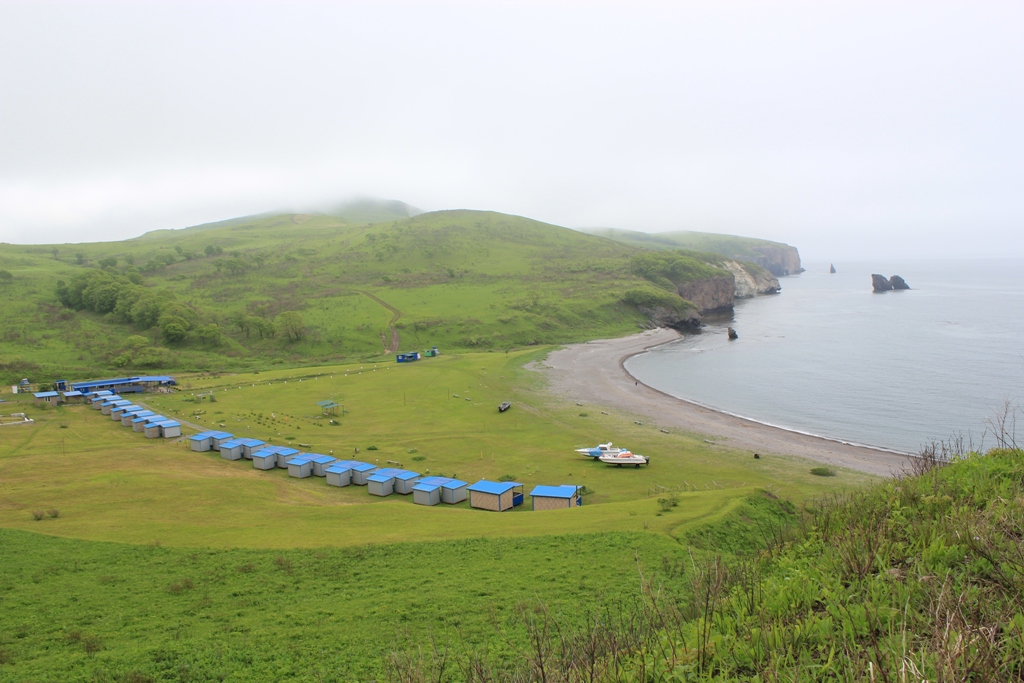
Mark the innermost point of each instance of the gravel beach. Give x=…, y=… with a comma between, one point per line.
x=594, y=372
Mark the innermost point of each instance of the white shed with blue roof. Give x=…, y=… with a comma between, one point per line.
x=497, y=496
x=117, y=411
x=152, y=428
x=250, y=446
x=265, y=458
x=217, y=438
x=361, y=471
x=108, y=406
x=201, y=442
x=170, y=429
x=380, y=483
x=453, y=491
x=320, y=463
x=46, y=398
x=300, y=467
x=426, y=493
x=285, y=454
x=555, y=497
x=231, y=450
x=140, y=422
x=405, y=480
x=128, y=419
x=99, y=398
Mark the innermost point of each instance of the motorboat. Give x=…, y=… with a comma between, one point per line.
x=625, y=458
x=599, y=450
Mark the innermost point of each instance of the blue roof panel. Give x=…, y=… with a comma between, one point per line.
x=45, y=394
x=563, y=491
x=495, y=487
x=420, y=486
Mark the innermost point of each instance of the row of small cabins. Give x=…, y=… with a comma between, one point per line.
x=425, y=490
x=81, y=392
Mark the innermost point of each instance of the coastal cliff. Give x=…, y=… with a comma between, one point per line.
x=779, y=260
x=710, y=294
x=752, y=280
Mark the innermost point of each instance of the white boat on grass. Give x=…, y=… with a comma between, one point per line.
x=625, y=458
x=599, y=450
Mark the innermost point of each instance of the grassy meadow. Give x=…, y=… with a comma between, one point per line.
x=437, y=416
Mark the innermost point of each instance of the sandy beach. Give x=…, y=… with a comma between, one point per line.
x=593, y=372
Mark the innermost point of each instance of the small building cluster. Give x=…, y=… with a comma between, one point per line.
x=416, y=355
x=425, y=490
x=81, y=392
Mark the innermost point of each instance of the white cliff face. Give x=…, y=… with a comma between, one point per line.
x=752, y=280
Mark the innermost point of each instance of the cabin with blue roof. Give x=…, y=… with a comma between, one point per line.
x=340, y=473
x=217, y=438
x=380, y=483
x=405, y=480
x=320, y=463
x=426, y=493
x=250, y=446
x=152, y=428
x=73, y=397
x=231, y=450
x=46, y=398
x=128, y=419
x=407, y=357
x=300, y=467
x=201, y=442
x=98, y=400
x=170, y=429
x=555, y=497
x=497, y=496
x=286, y=453
x=453, y=491
x=108, y=406
x=125, y=416
x=361, y=471
x=140, y=421
x=265, y=458
x=117, y=411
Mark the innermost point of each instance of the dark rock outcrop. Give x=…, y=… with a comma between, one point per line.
x=662, y=316
x=881, y=284
x=896, y=282
x=713, y=294
x=733, y=335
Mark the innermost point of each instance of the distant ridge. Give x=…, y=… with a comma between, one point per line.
x=372, y=210
x=779, y=258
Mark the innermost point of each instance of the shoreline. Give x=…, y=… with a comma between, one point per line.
x=595, y=372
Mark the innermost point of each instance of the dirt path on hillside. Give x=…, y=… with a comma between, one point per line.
x=390, y=345
x=594, y=372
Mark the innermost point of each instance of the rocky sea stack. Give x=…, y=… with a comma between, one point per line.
x=882, y=284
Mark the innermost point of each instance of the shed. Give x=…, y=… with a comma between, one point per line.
x=407, y=357
x=405, y=480
x=217, y=438
x=200, y=442
x=361, y=471
x=321, y=463
x=555, y=497
x=73, y=397
x=300, y=467
x=47, y=398
x=152, y=430
x=432, y=352
x=265, y=458
x=495, y=495
x=426, y=494
x=170, y=429
x=250, y=446
x=97, y=399
x=284, y=454
x=140, y=423
x=231, y=450
x=339, y=474
x=117, y=411
x=108, y=406
x=126, y=384
x=453, y=491
x=128, y=419
x=380, y=484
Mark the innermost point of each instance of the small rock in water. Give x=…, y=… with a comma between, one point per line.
x=880, y=283
x=733, y=335
x=898, y=283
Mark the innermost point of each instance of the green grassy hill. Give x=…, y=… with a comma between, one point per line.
x=301, y=288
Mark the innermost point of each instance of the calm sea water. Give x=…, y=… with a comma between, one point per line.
x=829, y=357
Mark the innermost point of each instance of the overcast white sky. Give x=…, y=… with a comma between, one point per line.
x=849, y=129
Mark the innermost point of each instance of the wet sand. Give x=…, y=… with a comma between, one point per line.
x=593, y=372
